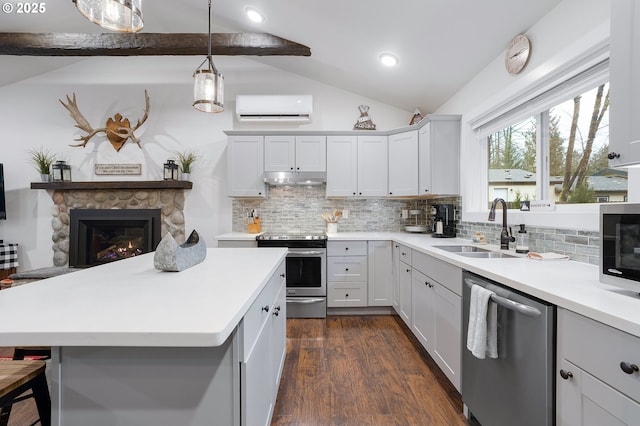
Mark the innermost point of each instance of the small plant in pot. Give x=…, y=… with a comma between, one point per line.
x=42, y=160
x=186, y=160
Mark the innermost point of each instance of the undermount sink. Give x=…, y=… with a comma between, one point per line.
x=462, y=249
x=486, y=254
x=475, y=252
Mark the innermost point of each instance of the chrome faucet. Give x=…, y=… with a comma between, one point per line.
x=505, y=238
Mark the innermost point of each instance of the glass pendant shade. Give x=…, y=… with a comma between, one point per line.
x=116, y=15
x=208, y=89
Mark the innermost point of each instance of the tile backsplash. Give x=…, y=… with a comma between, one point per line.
x=297, y=210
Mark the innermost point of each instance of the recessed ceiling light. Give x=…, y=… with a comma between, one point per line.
x=389, y=59
x=254, y=15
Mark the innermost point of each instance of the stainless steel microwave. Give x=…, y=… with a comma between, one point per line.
x=620, y=245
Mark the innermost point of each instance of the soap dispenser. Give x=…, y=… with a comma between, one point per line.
x=522, y=241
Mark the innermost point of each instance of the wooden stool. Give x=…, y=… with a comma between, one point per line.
x=17, y=377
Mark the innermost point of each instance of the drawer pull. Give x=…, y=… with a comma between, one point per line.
x=346, y=269
x=566, y=374
x=628, y=368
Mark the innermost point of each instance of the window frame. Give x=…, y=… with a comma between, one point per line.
x=589, y=70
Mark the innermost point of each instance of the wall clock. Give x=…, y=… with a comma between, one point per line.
x=517, y=54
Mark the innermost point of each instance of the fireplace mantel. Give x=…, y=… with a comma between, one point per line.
x=126, y=184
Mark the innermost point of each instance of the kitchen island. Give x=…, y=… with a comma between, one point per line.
x=132, y=345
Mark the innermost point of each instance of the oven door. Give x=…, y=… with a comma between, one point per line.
x=306, y=272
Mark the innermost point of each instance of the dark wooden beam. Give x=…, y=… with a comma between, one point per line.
x=147, y=44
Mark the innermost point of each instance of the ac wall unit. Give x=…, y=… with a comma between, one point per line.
x=274, y=108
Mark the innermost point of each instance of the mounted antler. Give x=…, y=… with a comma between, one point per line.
x=82, y=123
x=125, y=132
x=117, y=130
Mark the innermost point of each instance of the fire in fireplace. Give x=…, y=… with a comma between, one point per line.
x=99, y=236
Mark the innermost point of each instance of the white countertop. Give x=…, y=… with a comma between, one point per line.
x=567, y=284
x=129, y=303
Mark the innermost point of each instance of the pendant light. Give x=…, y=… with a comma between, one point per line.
x=208, y=83
x=116, y=15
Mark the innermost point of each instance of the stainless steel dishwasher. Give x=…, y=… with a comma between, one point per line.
x=517, y=387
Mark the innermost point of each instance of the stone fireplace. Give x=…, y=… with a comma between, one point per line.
x=166, y=196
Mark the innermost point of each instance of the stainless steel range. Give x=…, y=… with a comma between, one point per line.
x=306, y=267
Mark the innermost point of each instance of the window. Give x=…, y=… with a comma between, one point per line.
x=555, y=147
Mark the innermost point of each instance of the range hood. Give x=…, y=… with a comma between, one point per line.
x=295, y=178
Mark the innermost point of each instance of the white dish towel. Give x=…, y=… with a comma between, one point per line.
x=482, y=334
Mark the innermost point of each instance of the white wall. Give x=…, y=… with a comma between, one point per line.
x=33, y=117
x=570, y=31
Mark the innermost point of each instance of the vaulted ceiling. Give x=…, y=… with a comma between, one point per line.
x=441, y=44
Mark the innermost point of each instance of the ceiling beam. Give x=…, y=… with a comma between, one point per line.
x=147, y=44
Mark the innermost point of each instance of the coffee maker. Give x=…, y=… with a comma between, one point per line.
x=443, y=222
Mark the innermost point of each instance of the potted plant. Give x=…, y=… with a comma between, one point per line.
x=186, y=160
x=42, y=160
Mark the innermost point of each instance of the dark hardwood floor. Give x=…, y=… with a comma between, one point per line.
x=361, y=370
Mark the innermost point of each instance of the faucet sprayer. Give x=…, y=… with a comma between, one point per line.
x=506, y=236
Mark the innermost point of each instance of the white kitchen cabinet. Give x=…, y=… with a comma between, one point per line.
x=403, y=164
x=395, y=272
x=295, y=153
x=342, y=166
x=245, y=166
x=357, y=166
x=404, y=285
x=437, y=311
x=372, y=166
x=423, y=309
x=624, y=67
x=263, y=340
x=447, y=333
x=439, y=156
x=278, y=350
x=380, y=285
x=592, y=386
x=347, y=274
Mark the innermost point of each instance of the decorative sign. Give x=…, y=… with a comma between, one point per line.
x=118, y=169
x=543, y=206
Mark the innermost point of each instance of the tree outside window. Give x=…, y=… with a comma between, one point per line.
x=577, y=140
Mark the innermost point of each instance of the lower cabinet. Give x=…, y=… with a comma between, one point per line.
x=428, y=298
x=346, y=274
x=597, y=382
x=437, y=323
x=263, y=340
x=379, y=259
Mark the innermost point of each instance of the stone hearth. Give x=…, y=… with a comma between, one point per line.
x=169, y=200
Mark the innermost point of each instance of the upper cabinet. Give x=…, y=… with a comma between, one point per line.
x=372, y=166
x=356, y=166
x=342, y=166
x=624, y=69
x=439, y=156
x=245, y=166
x=420, y=160
x=295, y=153
x=403, y=164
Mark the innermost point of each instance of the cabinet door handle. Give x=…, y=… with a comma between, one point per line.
x=408, y=270
x=346, y=269
x=276, y=311
x=628, y=368
x=282, y=275
x=566, y=374
x=346, y=295
x=265, y=308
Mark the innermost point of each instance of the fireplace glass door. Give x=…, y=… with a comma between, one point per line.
x=102, y=236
